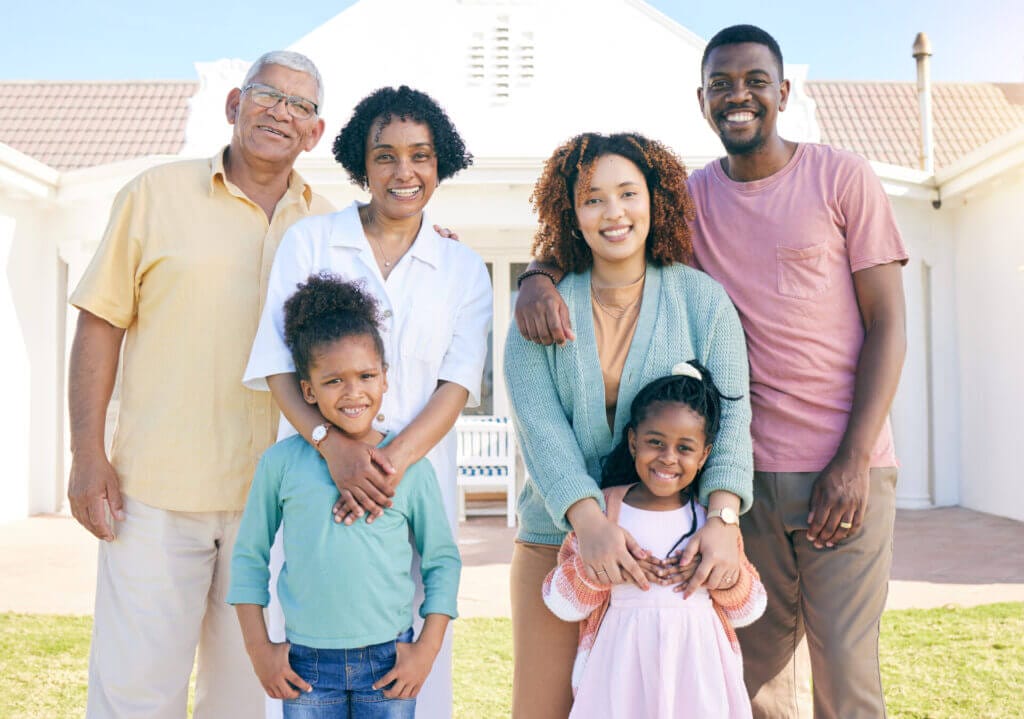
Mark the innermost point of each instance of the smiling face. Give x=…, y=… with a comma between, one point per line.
x=742, y=95
x=347, y=381
x=669, y=447
x=614, y=213
x=401, y=167
x=270, y=135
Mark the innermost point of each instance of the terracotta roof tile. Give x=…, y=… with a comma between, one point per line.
x=881, y=120
x=80, y=124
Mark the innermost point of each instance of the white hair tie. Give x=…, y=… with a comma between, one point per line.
x=685, y=369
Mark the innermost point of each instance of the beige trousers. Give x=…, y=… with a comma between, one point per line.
x=834, y=596
x=160, y=593
x=543, y=646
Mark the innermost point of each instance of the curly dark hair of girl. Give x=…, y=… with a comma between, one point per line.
x=380, y=107
x=324, y=309
x=558, y=240
x=700, y=395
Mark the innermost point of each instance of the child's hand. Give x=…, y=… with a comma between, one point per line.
x=270, y=661
x=677, y=573
x=413, y=662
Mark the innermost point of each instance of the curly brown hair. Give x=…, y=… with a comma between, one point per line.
x=558, y=240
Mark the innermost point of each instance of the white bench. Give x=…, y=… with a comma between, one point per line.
x=487, y=460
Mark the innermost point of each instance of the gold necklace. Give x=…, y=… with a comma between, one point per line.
x=611, y=312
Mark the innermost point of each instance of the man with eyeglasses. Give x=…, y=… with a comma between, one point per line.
x=180, y=277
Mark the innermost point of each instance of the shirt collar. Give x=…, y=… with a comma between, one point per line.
x=426, y=247
x=297, y=186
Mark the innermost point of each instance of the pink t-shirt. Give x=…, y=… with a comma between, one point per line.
x=785, y=248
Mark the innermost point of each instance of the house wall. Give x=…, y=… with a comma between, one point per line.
x=988, y=246
x=31, y=438
x=925, y=410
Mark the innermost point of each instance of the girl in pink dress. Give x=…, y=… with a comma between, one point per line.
x=654, y=654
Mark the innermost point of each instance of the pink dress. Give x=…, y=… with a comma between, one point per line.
x=656, y=655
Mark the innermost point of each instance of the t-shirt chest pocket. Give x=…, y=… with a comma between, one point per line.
x=802, y=272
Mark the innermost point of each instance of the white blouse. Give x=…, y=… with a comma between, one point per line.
x=436, y=306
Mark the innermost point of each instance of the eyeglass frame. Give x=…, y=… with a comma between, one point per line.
x=290, y=101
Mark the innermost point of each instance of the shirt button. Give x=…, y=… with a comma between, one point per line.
x=387, y=314
x=380, y=417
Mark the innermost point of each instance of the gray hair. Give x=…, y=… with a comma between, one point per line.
x=291, y=60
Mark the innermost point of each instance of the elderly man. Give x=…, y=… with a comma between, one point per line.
x=803, y=239
x=180, y=277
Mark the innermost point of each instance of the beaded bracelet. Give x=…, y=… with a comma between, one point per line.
x=531, y=273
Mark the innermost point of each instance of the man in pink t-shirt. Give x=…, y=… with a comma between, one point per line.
x=803, y=239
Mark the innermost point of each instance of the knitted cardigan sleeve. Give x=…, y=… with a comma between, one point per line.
x=546, y=439
x=722, y=348
x=567, y=592
x=743, y=603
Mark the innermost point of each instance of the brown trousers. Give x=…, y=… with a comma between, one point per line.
x=836, y=596
x=543, y=646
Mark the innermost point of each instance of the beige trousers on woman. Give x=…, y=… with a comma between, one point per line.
x=543, y=646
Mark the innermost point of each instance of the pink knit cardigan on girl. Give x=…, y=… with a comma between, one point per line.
x=574, y=598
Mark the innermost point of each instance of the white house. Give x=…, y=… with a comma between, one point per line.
x=519, y=76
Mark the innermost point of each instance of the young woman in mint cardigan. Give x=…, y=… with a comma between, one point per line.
x=614, y=215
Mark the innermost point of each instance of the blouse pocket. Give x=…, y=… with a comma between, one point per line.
x=802, y=272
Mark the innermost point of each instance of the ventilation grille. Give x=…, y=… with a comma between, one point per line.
x=501, y=60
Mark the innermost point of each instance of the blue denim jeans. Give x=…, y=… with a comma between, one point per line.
x=342, y=681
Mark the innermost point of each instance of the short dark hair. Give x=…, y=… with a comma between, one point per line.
x=736, y=34
x=324, y=309
x=405, y=104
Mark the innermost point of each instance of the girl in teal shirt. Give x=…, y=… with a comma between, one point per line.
x=346, y=591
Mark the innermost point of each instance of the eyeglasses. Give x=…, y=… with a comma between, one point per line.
x=266, y=96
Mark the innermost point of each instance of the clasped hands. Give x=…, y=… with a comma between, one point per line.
x=365, y=475
x=610, y=555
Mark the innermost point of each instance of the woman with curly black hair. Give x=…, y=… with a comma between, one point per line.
x=614, y=215
x=435, y=300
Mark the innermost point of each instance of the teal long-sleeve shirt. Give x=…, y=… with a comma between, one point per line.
x=342, y=587
x=557, y=393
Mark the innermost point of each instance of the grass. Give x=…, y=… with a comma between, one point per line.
x=936, y=663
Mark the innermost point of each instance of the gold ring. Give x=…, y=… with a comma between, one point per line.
x=601, y=570
x=846, y=525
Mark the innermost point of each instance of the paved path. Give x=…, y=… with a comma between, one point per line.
x=948, y=556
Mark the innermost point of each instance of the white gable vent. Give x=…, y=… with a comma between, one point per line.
x=501, y=60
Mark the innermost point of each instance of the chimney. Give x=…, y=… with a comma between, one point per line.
x=922, y=53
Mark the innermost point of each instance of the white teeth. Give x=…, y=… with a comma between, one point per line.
x=405, y=192
x=622, y=232
x=740, y=116
x=352, y=411
x=663, y=475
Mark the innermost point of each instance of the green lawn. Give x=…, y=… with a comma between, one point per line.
x=937, y=664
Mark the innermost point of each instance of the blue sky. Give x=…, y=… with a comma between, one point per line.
x=973, y=40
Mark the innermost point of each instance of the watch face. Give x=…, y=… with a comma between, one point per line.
x=729, y=516
x=318, y=433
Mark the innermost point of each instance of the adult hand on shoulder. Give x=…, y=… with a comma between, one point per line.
x=92, y=485
x=719, y=563
x=839, y=499
x=279, y=680
x=361, y=472
x=446, y=233
x=541, y=314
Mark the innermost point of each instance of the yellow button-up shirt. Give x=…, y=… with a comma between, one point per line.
x=183, y=266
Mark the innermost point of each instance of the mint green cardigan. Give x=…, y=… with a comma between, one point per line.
x=557, y=393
